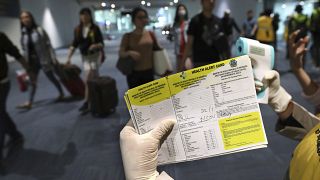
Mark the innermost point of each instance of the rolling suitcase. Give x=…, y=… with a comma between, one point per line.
x=70, y=77
x=103, y=96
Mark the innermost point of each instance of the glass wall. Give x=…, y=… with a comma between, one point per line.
x=113, y=21
x=107, y=20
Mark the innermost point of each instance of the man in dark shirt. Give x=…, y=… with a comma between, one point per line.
x=206, y=41
x=228, y=23
x=7, y=126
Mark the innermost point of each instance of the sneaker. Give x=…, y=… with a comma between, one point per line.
x=60, y=98
x=26, y=106
x=85, y=112
x=84, y=107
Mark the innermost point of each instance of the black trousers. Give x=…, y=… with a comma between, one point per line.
x=138, y=78
x=7, y=126
x=199, y=64
x=34, y=63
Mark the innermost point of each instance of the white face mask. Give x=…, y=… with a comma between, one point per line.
x=182, y=12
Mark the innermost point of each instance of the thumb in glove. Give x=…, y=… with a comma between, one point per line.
x=140, y=152
x=278, y=97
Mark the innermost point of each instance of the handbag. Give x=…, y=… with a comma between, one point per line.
x=102, y=56
x=23, y=80
x=125, y=65
x=188, y=64
x=162, y=65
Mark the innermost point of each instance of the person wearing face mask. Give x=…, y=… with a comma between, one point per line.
x=206, y=42
x=179, y=32
x=139, y=45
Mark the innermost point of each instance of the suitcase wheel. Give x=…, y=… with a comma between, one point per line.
x=103, y=115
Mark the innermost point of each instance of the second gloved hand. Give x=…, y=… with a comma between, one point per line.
x=140, y=152
x=279, y=99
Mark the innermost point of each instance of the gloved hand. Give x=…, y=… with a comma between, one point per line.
x=278, y=97
x=140, y=152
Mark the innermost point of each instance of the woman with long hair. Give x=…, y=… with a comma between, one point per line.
x=88, y=38
x=179, y=31
x=39, y=54
x=139, y=45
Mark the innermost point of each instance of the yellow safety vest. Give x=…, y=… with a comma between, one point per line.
x=265, y=29
x=299, y=21
x=305, y=163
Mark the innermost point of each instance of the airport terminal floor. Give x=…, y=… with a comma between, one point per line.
x=62, y=145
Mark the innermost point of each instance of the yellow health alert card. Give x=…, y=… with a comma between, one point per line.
x=215, y=106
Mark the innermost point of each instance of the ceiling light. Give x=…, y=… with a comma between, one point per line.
x=113, y=6
x=143, y=2
x=176, y=1
x=149, y=4
x=103, y=4
x=171, y=3
x=166, y=8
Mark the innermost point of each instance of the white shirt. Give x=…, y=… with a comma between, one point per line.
x=85, y=30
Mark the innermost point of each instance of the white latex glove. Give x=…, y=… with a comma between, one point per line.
x=278, y=97
x=140, y=152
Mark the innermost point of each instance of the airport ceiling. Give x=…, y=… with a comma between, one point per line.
x=128, y=3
